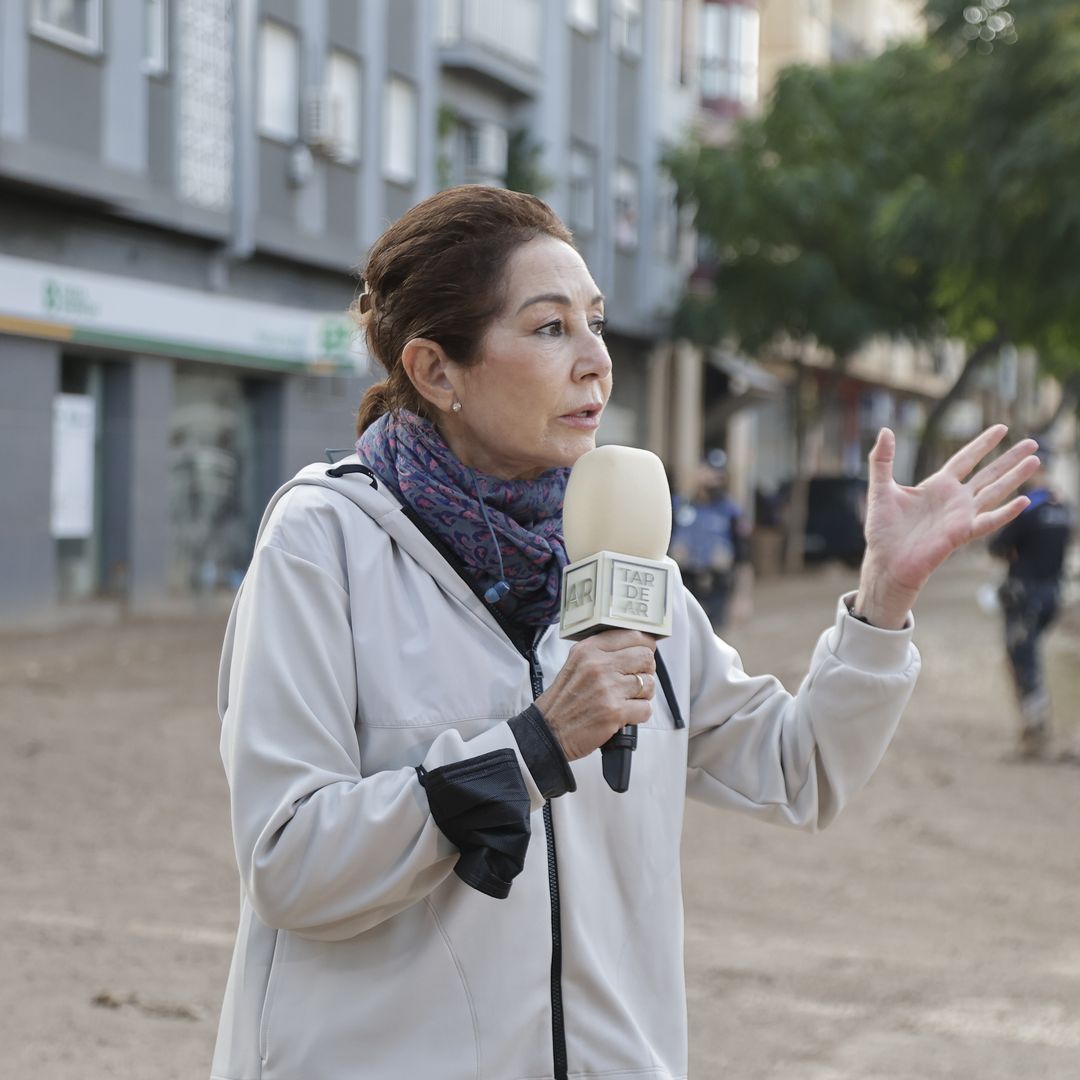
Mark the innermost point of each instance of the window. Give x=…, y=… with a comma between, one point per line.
x=676, y=39
x=486, y=145
x=626, y=207
x=687, y=65
x=676, y=239
x=202, y=57
x=399, y=131
x=729, y=55
x=715, y=25
x=279, y=82
x=626, y=26
x=451, y=16
x=582, y=15
x=667, y=218
x=155, y=37
x=749, y=31
x=75, y=23
x=582, y=217
x=343, y=90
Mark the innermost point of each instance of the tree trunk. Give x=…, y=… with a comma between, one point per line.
x=806, y=415
x=975, y=361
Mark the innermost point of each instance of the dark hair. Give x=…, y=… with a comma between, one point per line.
x=438, y=272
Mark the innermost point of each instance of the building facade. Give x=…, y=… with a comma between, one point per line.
x=711, y=77
x=186, y=191
x=560, y=97
x=173, y=336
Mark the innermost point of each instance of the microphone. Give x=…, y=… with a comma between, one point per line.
x=617, y=527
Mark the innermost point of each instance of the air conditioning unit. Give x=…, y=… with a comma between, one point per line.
x=321, y=120
x=488, y=146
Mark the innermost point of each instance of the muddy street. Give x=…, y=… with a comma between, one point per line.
x=932, y=932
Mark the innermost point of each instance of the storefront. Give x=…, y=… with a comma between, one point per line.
x=144, y=425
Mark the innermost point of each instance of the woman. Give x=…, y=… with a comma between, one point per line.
x=437, y=882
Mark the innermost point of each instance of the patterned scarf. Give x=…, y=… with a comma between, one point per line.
x=413, y=460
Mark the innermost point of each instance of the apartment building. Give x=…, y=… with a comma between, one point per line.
x=700, y=398
x=562, y=97
x=831, y=31
x=186, y=189
x=175, y=242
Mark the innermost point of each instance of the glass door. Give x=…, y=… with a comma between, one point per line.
x=212, y=471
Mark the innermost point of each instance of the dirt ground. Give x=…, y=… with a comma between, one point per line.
x=932, y=932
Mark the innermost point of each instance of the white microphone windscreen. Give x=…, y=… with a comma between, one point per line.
x=617, y=499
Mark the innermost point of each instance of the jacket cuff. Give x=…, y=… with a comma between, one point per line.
x=482, y=806
x=542, y=753
x=868, y=647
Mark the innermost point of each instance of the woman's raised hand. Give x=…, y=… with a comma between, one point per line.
x=910, y=531
x=607, y=682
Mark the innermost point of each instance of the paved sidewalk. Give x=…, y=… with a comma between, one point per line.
x=930, y=933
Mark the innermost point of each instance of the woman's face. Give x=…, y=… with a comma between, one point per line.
x=533, y=398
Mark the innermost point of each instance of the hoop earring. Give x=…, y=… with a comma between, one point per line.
x=456, y=407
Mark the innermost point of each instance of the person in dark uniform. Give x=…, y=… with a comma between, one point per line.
x=709, y=539
x=1034, y=545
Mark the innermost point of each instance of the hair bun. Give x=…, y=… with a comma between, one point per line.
x=364, y=312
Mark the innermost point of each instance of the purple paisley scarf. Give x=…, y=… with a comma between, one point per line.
x=413, y=460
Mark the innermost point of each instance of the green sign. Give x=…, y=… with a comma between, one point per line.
x=67, y=299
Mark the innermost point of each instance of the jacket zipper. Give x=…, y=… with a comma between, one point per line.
x=536, y=679
x=558, y=1031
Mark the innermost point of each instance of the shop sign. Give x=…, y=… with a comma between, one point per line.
x=47, y=300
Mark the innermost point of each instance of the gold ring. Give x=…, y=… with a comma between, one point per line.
x=640, y=684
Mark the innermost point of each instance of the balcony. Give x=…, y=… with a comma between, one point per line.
x=498, y=40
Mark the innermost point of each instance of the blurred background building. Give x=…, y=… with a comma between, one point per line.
x=187, y=188
x=176, y=234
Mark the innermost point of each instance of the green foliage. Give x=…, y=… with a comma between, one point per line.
x=932, y=189
x=446, y=125
x=1017, y=235
x=796, y=210
x=523, y=172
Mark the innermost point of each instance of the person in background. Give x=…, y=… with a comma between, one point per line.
x=1034, y=544
x=710, y=540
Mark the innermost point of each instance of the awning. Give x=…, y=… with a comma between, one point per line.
x=746, y=379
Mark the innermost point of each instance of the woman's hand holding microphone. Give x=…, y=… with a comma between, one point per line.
x=607, y=682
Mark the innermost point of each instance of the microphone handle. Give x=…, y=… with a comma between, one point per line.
x=615, y=757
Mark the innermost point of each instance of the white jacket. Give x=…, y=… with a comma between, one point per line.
x=355, y=653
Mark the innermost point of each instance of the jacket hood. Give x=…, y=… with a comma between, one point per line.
x=362, y=488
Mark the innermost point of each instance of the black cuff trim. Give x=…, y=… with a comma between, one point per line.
x=542, y=753
x=859, y=618
x=482, y=806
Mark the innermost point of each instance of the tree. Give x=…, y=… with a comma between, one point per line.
x=929, y=192
x=1010, y=245
x=523, y=169
x=792, y=210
